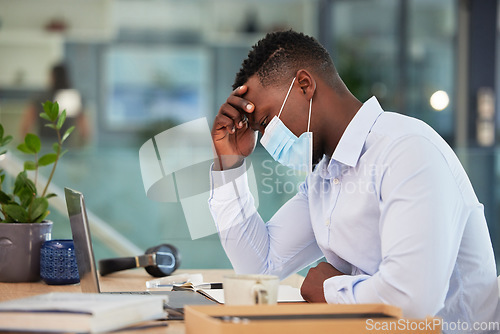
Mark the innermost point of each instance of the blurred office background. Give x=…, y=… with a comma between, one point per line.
x=144, y=66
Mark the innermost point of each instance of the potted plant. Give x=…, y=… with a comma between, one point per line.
x=24, y=207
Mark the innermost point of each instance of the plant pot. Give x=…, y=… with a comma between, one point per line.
x=20, y=245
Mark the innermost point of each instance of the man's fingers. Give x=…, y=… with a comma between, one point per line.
x=240, y=107
x=224, y=123
x=236, y=106
x=231, y=133
x=232, y=109
x=240, y=103
x=231, y=113
x=245, y=119
x=240, y=90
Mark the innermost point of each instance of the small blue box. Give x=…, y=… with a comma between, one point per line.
x=58, y=262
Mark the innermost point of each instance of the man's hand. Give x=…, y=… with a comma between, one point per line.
x=233, y=138
x=312, y=288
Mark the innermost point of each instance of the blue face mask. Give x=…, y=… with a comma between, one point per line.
x=284, y=146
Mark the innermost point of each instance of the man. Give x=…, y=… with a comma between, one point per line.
x=388, y=204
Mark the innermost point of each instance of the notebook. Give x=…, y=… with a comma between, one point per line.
x=89, y=280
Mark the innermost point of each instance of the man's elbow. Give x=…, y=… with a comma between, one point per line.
x=419, y=304
x=265, y=269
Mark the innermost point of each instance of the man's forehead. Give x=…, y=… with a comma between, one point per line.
x=254, y=86
x=266, y=100
x=260, y=95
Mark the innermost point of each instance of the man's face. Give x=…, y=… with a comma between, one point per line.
x=268, y=101
x=295, y=114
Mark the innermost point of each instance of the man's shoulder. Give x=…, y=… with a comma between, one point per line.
x=395, y=125
x=392, y=129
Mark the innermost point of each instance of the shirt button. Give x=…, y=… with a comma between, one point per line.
x=336, y=181
x=327, y=222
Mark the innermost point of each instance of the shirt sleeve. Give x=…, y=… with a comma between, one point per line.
x=421, y=224
x=281, y=247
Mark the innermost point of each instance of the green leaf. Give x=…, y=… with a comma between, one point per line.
x=4, y=198
x=24, y=148
x=3, y=152
x=38, y=207
x=51, y=109
x=47, y=107
x=61, y=119
x=16, y=212
x=42, y=217
x=54, y=111
x=67, y=133
x=33, y=142
x=29, y=165
x=20, y=182
x=63, y=153
x=47, y=159
x=52, y=126
x=25, y=197
x=1, y=131
x=55, y=147
x=23, y=184
x=6, y=140
x=50, y=195
x=31, y=186
x=45, y=116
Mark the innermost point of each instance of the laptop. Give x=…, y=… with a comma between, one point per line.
x=89, y=280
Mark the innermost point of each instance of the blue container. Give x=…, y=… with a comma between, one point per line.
x=58, y=262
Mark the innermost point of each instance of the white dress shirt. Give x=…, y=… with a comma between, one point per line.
x=392, y=208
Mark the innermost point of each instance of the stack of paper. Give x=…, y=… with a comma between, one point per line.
x=79, y=312
x=286, y=294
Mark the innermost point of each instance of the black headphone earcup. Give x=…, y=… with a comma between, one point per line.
x=172, y=249
x=163, y=250
x=176, y=255
x=155, y=271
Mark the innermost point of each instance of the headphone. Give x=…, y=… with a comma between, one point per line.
x=158, y=261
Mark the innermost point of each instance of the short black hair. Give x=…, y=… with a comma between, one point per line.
x=279, y=55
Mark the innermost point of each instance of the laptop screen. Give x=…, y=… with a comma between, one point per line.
x=85, y=260
x=83, y=243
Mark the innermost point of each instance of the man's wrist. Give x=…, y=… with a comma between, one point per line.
x=225, y=162
x=236, y=177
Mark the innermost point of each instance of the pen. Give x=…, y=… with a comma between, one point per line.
x=165, y=285
x=168, y=281
x=209, y=286
x=191, y=286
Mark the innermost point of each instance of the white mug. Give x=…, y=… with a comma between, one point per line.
x=250, y=289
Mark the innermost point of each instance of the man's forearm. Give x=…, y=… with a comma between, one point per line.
x=242, y=231
x=281, y=246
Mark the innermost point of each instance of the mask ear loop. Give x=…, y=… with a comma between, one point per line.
x=310, y=142
x=286, y=97
x=310, y=108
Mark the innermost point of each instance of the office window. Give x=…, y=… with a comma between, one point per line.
x=400, y=51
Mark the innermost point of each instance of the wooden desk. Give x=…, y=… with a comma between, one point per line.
x=130, y=280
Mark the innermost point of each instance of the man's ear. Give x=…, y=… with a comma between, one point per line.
x=306, y=83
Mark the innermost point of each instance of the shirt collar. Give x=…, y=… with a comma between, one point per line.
x=350, y=146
